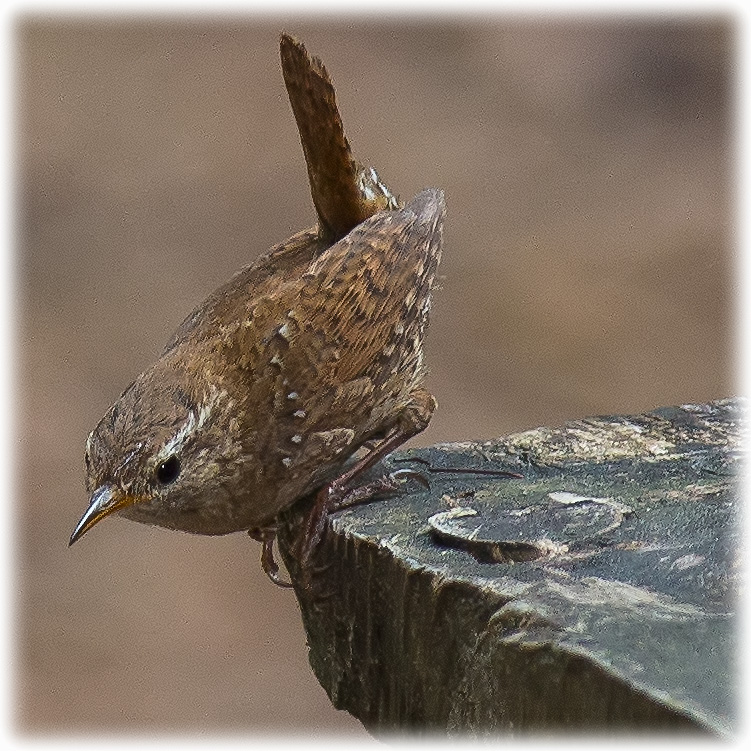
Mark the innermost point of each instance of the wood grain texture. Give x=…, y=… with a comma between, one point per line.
x=427, y=619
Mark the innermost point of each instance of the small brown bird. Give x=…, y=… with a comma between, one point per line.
x=269, y=387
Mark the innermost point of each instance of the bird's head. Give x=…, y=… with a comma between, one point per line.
x=163, y=455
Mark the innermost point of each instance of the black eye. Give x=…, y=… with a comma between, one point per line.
x=168, y=470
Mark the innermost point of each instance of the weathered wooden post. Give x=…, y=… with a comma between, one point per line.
x=597, y=591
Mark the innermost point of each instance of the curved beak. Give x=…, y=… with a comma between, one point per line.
x=104, y=501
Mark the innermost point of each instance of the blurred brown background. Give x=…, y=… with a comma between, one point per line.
x=588, y=169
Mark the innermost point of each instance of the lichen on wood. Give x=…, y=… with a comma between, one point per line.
x=594, y=591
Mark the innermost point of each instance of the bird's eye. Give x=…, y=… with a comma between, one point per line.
x=168, y=470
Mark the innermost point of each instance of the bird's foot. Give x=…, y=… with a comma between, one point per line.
x=266, y=536
x=336, y=496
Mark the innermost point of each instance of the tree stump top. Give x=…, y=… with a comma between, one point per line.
x=595, y=590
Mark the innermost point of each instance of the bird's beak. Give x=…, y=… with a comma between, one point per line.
x=104, y=501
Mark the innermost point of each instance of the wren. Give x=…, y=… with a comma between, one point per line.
x=306, y=357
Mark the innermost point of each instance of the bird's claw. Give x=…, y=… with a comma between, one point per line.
x=266, y=536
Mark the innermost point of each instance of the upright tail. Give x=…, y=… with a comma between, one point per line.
x=345, y=193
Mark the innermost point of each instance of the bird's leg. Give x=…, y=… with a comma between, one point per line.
x=266, y=536
x=336, y=495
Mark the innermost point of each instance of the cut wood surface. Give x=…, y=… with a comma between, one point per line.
x=596, y=589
